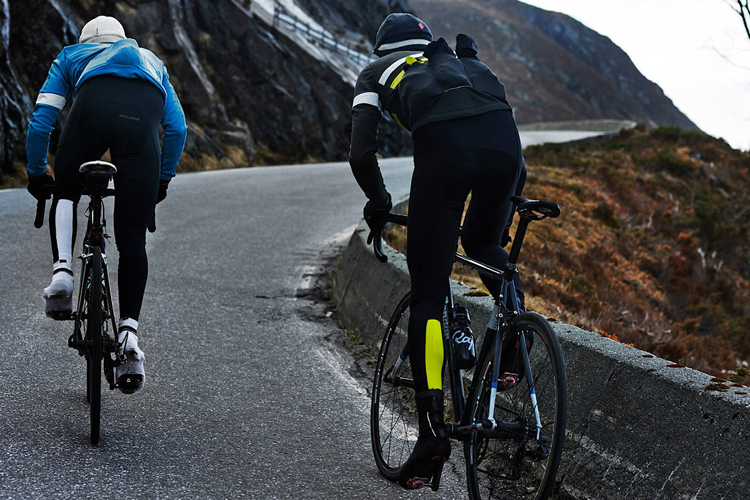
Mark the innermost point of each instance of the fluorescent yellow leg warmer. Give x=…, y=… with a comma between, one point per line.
x=433, y=354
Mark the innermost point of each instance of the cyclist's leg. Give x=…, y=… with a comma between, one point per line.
x=135, y=109
x=495, y=173
x=81, y=140
x=437, y=196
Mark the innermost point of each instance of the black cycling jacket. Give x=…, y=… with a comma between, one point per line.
x=415, y=86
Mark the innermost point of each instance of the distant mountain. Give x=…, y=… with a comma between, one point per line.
x=554, y=67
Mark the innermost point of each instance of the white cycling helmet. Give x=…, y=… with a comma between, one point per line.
x=102, y=29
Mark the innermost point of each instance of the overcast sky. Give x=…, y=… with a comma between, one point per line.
x=697, y=51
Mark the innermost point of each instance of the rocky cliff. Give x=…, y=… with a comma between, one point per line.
x=554, y=67
x=253, y=93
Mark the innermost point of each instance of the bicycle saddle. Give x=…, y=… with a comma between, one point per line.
x=98, y=167
x=545, y=208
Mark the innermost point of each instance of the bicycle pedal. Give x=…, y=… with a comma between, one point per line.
x=129, y=383
x=60, y=315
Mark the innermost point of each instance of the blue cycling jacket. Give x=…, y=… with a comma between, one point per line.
x=77, y=63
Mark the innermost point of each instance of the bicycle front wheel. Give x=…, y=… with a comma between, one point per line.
x=94, y=344
x=393, y=411
x=520, y=462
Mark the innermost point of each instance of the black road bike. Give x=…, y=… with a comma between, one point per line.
x=510, y=413
x=95, y=331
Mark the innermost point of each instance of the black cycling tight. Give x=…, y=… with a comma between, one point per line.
x=481, y=155
x=122, y=115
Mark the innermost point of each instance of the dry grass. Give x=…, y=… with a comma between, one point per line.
x=652, y=245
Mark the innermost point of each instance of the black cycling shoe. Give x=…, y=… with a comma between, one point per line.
x=425, y=464
x=511, y=370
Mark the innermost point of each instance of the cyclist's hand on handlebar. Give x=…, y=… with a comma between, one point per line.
x=41, y=186
x=163, y=185
x=376, y=218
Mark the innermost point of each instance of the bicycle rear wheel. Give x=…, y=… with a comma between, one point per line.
x=94, y=344
x=518, y=465
x=393, y=411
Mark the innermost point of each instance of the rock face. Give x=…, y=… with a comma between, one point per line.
x=554, y=68
x=254, y=94
x=251, y=94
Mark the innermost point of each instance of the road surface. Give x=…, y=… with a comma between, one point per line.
x=247, y=394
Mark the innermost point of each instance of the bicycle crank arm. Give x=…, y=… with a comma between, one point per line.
x=490, y=430
x=400, y=382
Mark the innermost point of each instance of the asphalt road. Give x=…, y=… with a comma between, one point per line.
x=248, y=394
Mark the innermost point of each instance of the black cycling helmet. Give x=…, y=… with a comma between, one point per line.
x=401, y=30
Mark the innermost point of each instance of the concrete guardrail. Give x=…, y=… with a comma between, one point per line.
x=637, y=428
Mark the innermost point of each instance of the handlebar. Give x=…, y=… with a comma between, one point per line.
x=41, y=208
x=375, y=236
x=528, y=209
x=41, y=205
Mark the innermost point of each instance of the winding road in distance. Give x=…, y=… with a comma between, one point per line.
x=246, y=394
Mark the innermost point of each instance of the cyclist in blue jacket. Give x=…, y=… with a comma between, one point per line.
x=465, y=140
x=122, y=95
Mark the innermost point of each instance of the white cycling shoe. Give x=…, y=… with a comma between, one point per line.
x=130, y=375
x=58, y=296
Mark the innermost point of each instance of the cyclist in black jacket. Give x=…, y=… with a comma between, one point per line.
x=465, y=140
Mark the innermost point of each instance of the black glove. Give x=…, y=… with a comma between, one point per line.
x=376, y=218
x=439, y=45
x=163, y=185
x=465, y=46
x=41, y=186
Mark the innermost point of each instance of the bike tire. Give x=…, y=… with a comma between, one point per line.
x=94, y=343
x=506, y=468
x=393, y=412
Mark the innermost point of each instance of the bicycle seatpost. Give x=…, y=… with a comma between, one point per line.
x=515, y=250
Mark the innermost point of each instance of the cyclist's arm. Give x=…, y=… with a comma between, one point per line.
x=364, y=146
x=50, y=101
x=175, y=131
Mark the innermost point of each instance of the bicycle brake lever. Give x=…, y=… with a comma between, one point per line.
x=378, y=248
x=376, y=241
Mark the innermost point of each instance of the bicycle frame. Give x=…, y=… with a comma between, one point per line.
x=96, y=236
x=506, y=308
x=501, y=316
x=495, y=413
